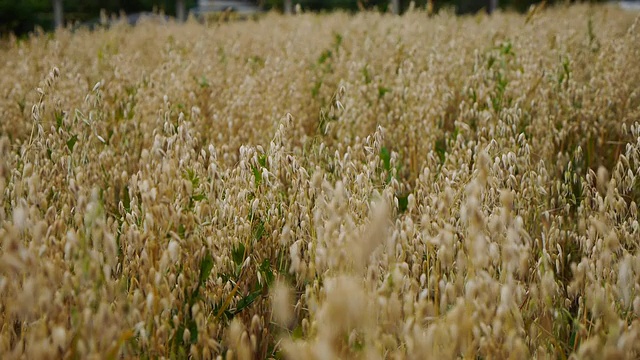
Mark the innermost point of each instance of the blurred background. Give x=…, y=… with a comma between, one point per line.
x=23, y=16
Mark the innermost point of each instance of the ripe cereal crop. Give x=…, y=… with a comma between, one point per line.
x=319, y=186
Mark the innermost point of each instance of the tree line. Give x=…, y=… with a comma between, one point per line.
x=21, y=17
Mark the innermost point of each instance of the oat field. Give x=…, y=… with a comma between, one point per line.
x=324, y=186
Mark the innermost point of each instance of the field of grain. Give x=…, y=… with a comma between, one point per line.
x=324, y=186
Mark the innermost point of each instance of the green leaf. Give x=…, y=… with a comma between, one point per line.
x=192, y=177
x=178, y=341
x=491, y=61
x=258, y=231
x=366, y=74
x=265, y=268
x=246, y=301
x=357, y=345
x=257, y=175
x=315, y=90
x=337, y=40
x=297, y=333
x=326, y=55
x=506, y=48
x=403, y=202
x=386, y=159
x=262, y=160
x=198, y=197
x=193, y=329
x=206, y=265
x=441, y=149
x=72, y=142
x=382, y=90
x=59, y=118
x=126, y=200
x=238, y=254
x=203, y=82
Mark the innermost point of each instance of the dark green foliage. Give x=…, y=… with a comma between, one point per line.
x=267, y=272
x=257, y=170
x=326, y=55
x=206, y=265
x=574, y=171
x=238, y=254
x=192, y=177
x=385, y=156
x=257, y=175
x=565, y=72
x=258, y=230
x=59, y=117
x=245, y=301
x=22, y=16
x=382, y=91
x=72, y=142
x=198, y=197
x=403, y=202
x=441, y=149
x=262, y=160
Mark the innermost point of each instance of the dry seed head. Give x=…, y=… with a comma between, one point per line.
x=282, y=303
x=174, y=250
